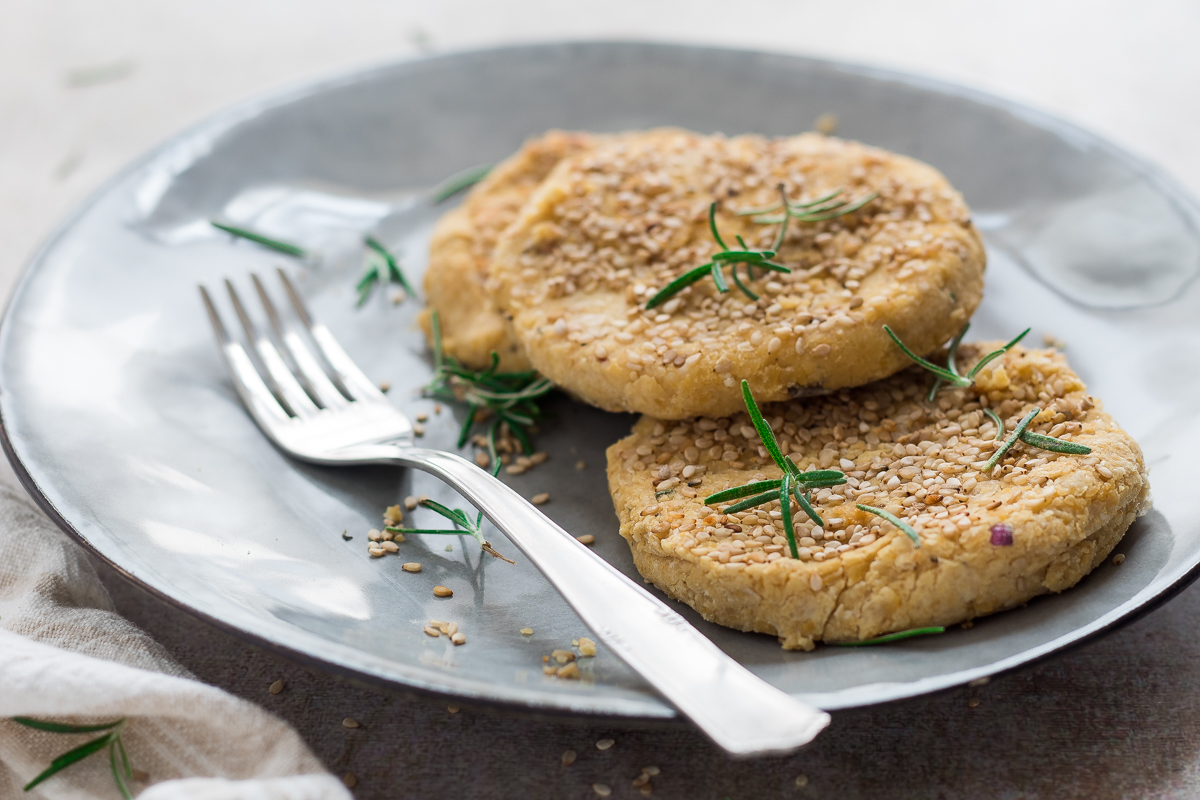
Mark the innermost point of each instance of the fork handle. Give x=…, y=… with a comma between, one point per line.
x=739, y=711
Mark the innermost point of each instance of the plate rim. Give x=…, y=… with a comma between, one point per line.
x=213, y=125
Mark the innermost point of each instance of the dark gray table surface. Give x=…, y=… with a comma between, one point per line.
x=1116, y=718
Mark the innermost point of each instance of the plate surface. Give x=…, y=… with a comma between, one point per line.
x=119, y=417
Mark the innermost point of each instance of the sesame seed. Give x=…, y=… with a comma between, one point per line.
x=570, y=672
x=443, y=591
x=527, y=631
x=458, y=638
x=540, y=499
x=601, y=789
x=412, y=566
x=349, y=722
x=453, y=709
x=432, y=631
x=410, y=502
x=821, y=350
x=350, y=780
x=1119, y=558
x=586, y=538
x=815, y=583
x=568, y=758
x=973, y=702
x=276, y=687
x=604, y=744
x=580, y=465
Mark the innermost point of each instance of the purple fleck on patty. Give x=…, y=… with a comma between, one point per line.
x=1002, y=534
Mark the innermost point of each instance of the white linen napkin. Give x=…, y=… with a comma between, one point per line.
x=66, y=656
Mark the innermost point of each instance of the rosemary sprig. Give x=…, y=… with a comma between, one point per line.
x=459, y=181
x=823, y=208
x=122, y=770
x=278, y=246
x=793, y=485
x=999, y=423
x=1038, y=440
x=892, y=518
x=716, y=265
x=894, y=637
x=510, y=397
x=949, y=373
x=381, y=265
x=462, y=525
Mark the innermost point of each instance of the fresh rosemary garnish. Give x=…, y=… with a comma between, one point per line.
x=949, y=373
x=794, y=483
x=895, y=637
x=381, y=265
x=1038, y=440
x=715, y=267
x=892, y=518
x=463, y=525
x=999, y=423
x=459, y=181
x=509, y=397
x=822, y=208
x=118, y=759
x=274, y=244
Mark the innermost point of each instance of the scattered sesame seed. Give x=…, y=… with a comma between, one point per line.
x=453, y=709
x=587, y=538
x=418, y=430
x=984, y=681
x=604, y=744
x=570, y=672
x=443, y=591
x=349, y=722
x=973, y=702
x=601, y=789
x=540, y=499
x=580, y=465
x=1119, y=558
x=652, y=771
x=568, y=758
x=276, y=687
x=410, y=502
x=412, y=566
x=390, y=547
x=422, y=417
x=350, y=780
x=458, y=638
x=527, y=631
x=432, y=631
x=801, y=781
x=384, y=386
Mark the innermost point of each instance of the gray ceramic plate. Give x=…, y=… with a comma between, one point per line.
x=119, y=417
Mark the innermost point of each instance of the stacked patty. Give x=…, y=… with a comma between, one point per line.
x=564, y=260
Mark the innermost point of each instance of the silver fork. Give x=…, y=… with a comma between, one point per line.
x=355, y=424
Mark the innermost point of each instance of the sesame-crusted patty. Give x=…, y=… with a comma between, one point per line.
x=860, y=576
x=461, y=251
x=614, y=224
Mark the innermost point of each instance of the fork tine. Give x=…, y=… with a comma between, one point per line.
x=357, y=384
x=249, y=384
x=284, y=382
x=312, y=375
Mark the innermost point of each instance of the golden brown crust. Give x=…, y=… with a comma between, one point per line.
x=612, y=225
x=920, y=461
x=461, y=250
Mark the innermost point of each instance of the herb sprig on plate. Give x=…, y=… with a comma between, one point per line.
x=118, y=759
x=278, y=245
x=950, y=375
x=794, y=485
x=823, y=208
x=381, y=266
x=510, y=398
x=459, y=181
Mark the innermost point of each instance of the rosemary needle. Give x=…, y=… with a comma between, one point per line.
x=459, y=181
x=122, y=770
x=278, y=246
x=892, y=518
x=894, y=637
